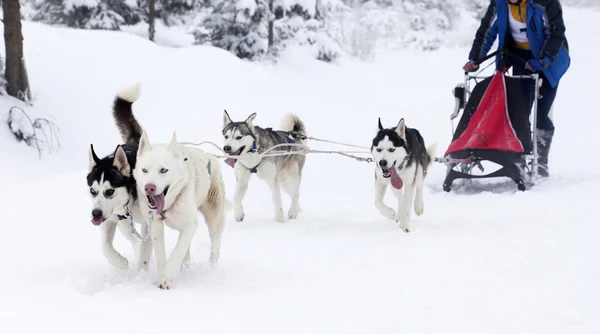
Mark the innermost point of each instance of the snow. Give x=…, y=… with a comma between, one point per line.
x=484, y=259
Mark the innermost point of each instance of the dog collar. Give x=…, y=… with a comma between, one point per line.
x=253, y=150
x=127, y=215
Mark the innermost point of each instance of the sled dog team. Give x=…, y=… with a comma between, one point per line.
x=162, y=184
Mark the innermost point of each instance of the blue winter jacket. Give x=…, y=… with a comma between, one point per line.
x=545, y=32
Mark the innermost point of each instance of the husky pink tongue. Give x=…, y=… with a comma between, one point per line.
x=97, y=222
x=395, y=178
x=159, y=202
x=230, y=162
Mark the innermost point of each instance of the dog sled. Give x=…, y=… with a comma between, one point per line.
x=495, y=127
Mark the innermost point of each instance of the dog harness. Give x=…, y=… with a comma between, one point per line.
x=127, y=215
x=254, y=170
x=129, y=218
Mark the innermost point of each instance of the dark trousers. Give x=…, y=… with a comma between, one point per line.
x=547, y=92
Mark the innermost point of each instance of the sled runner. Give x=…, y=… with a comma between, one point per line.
x=495, y=126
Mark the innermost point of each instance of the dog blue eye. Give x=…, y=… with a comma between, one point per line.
x=163, y=170
x=144, y=170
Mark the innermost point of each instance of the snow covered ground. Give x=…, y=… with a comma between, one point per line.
x=487, y=259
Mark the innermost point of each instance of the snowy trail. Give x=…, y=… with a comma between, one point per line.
x=480, y=260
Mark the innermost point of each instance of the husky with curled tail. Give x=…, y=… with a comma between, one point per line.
x=112, y=186
x=283, y=171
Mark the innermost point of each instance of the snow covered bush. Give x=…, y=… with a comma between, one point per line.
x=171, y=12
x=239, y=26
x=85, y=14
x=429, y=20
x=422, y=25
x=304, y=23
x=255, y=28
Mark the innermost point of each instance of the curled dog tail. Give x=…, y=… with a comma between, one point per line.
x=431, y=153
x=292, y=123
x=128, y=126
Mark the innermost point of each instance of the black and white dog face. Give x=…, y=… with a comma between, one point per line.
x=239, y=136
x=389, y=147
x=108, y=181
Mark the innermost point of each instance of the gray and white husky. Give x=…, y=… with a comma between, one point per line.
x=283, y=171
x=112, y=186
x=402, y=161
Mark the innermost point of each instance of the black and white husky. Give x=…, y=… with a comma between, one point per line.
x=112, y=186
x=402, y=161
x=277, y=171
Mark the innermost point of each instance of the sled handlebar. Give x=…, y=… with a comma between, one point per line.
x=502, y=52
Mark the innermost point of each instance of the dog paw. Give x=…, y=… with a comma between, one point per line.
x=121, y=263
x=403, y=220
x=239, y=214
x=387, y=212
x=166, y=280
x=292, y=214
x=279, y=216
x=165, y=283
x=419, y=207
x=118, y=261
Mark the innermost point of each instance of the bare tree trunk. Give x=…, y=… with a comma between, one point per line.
x=16, y=74
x=151, y=17
x=271, y=36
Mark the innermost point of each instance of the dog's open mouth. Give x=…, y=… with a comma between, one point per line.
x=386, y=173
x=157, y=202
x=231, y=161
x=98, y=221
x=392, y=174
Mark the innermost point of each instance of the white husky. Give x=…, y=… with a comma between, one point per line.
x=174, y=183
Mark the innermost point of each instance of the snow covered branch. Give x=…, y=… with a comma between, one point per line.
x=37, y=133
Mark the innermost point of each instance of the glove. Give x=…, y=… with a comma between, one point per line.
x=470, y=66
x=537, y=65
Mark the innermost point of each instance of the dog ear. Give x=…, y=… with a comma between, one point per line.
x=249, y=121
x=379, y=124
x=120, y=161
x=401, y=129
x=144, y=144
x=173, y=142
x=93, y=158
x=226, y=119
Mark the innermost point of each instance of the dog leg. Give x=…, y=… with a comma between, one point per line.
x=404, y=207
x=173, y=264
x=125, y=229
x=145, y=250
x=242, y=176
x=290, y=182
x=186, y=259
x=276, y=193
x=117, y=260
x=215, y=229
x=386, y=211
x=157, y=235
x=419, y=204
x=142, y=250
